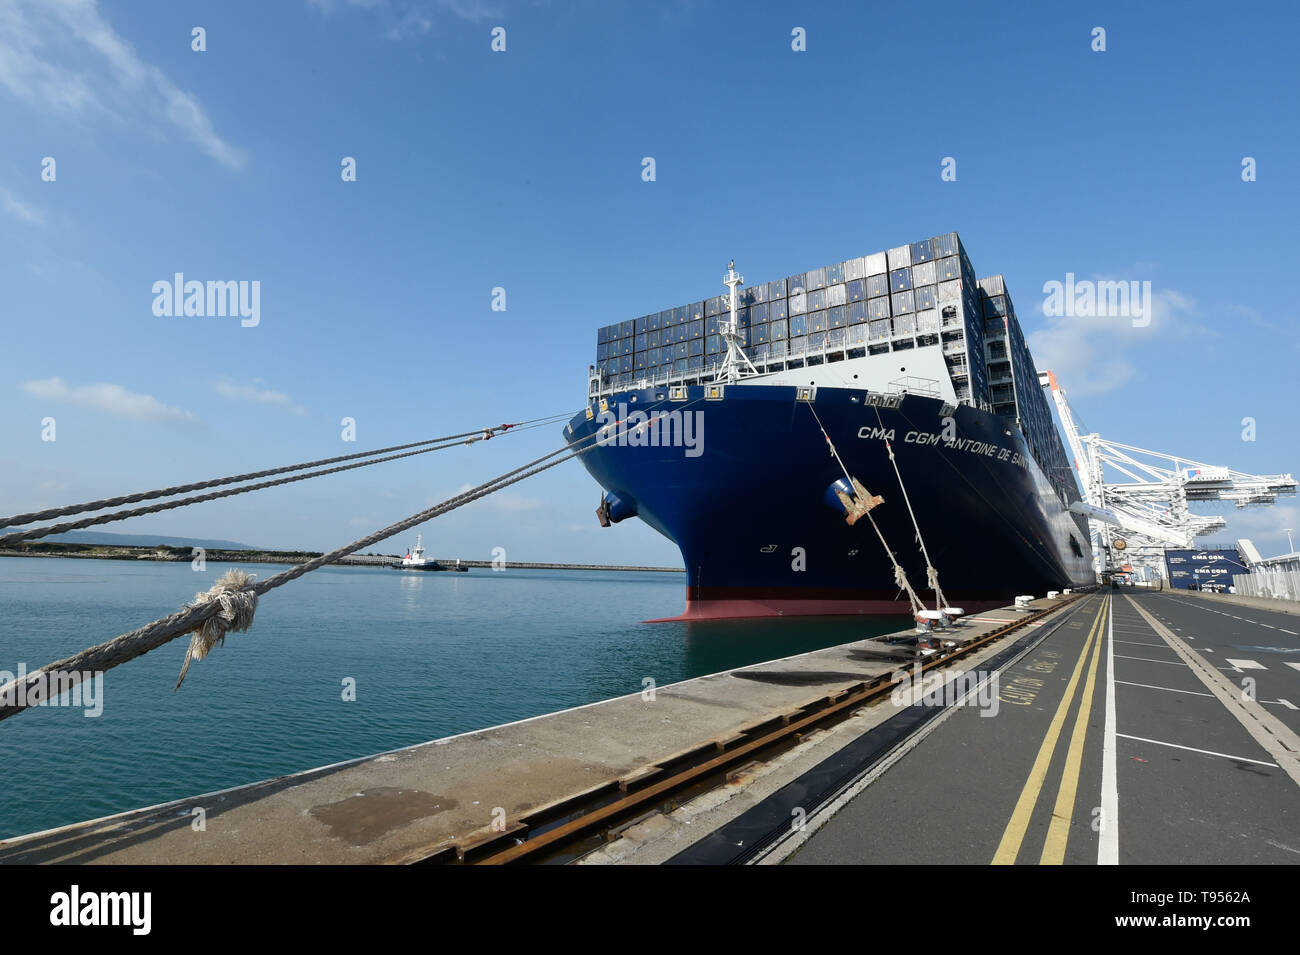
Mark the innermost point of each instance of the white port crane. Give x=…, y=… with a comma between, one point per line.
x=1136, y=519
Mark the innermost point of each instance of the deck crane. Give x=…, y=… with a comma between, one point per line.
x=1133, y=521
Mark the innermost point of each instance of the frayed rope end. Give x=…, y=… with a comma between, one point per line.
x=238, y=604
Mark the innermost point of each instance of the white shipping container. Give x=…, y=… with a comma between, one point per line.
x=876, y=264
x=900, y=257
x=923, y=274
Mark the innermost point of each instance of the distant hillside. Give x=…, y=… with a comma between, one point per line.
x=141, y=540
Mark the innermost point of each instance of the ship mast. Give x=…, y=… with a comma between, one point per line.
x=734, y=365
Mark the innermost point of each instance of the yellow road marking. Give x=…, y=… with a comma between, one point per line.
x=1014, y=834
x=1058, y=832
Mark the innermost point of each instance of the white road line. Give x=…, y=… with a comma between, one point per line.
x=1138, y=643
x=1176, y=663
x=1168, y=689
x=1246, y=664
x=1294, y=666
x=1292, y=632
x=1108, y=838
x=1193, y=749
x=1288, y=704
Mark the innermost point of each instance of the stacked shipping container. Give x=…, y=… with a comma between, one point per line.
x=919, y=294
x=1014, y=388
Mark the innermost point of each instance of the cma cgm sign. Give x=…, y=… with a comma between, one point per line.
x=1192, y=568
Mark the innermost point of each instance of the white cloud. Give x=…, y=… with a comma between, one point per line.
x=63, y=57
x=408, y=18
x=19, y=209
x=502, y=500
x=109, y=398
x=1089, y=355
x=262, y=396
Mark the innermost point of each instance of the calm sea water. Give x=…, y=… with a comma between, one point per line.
x=431, y=654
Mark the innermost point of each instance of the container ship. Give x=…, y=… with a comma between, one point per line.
x=735, y=425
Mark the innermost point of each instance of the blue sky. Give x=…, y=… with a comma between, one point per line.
x=522, y=169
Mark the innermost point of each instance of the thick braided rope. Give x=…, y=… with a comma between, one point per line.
x=35, y=532
x=237, y=478
x=140, y=641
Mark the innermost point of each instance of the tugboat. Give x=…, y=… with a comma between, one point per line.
x=415, y=559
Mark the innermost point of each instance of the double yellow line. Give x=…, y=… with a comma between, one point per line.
x=1058, y=831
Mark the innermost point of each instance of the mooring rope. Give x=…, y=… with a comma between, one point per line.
x=38, y=532
x=900, y=575
x=14, y=696
x=233, y=600
x=53, y=512
x=931, y=574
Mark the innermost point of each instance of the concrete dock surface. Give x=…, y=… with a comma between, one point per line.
x=1159, y=729
x=405, y=805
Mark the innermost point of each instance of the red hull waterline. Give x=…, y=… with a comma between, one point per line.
x=758, y=605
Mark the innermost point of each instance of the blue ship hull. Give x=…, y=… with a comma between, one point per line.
x=746, y=505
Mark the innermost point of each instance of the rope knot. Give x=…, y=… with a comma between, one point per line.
x=238, y=604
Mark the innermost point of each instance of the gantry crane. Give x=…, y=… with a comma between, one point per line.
x=1133, y=521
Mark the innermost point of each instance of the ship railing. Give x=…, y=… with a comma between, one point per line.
x=914, y=385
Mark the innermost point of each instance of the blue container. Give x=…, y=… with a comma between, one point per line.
x=758, y=335
x=900, y=280
x=856, y=290
x=758, y=313
x=816, y=339
x=778, y=330
x=695, y=329
x=627, y=329
x=925, y=298
x=641, y=361
x=816, y=299
x=778, y=349
x=796, y=285
x=778, y=308
x=696, y=346
x=713, y=345
x=857, y=312
x=922, y=251
x=798, y=325
x=641, y=342
x=777, y=289
x=695, y=364
x=835, y=274
x=759, y=293
x=838, y=316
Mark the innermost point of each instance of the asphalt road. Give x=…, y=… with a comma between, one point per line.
x=1045, y=777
